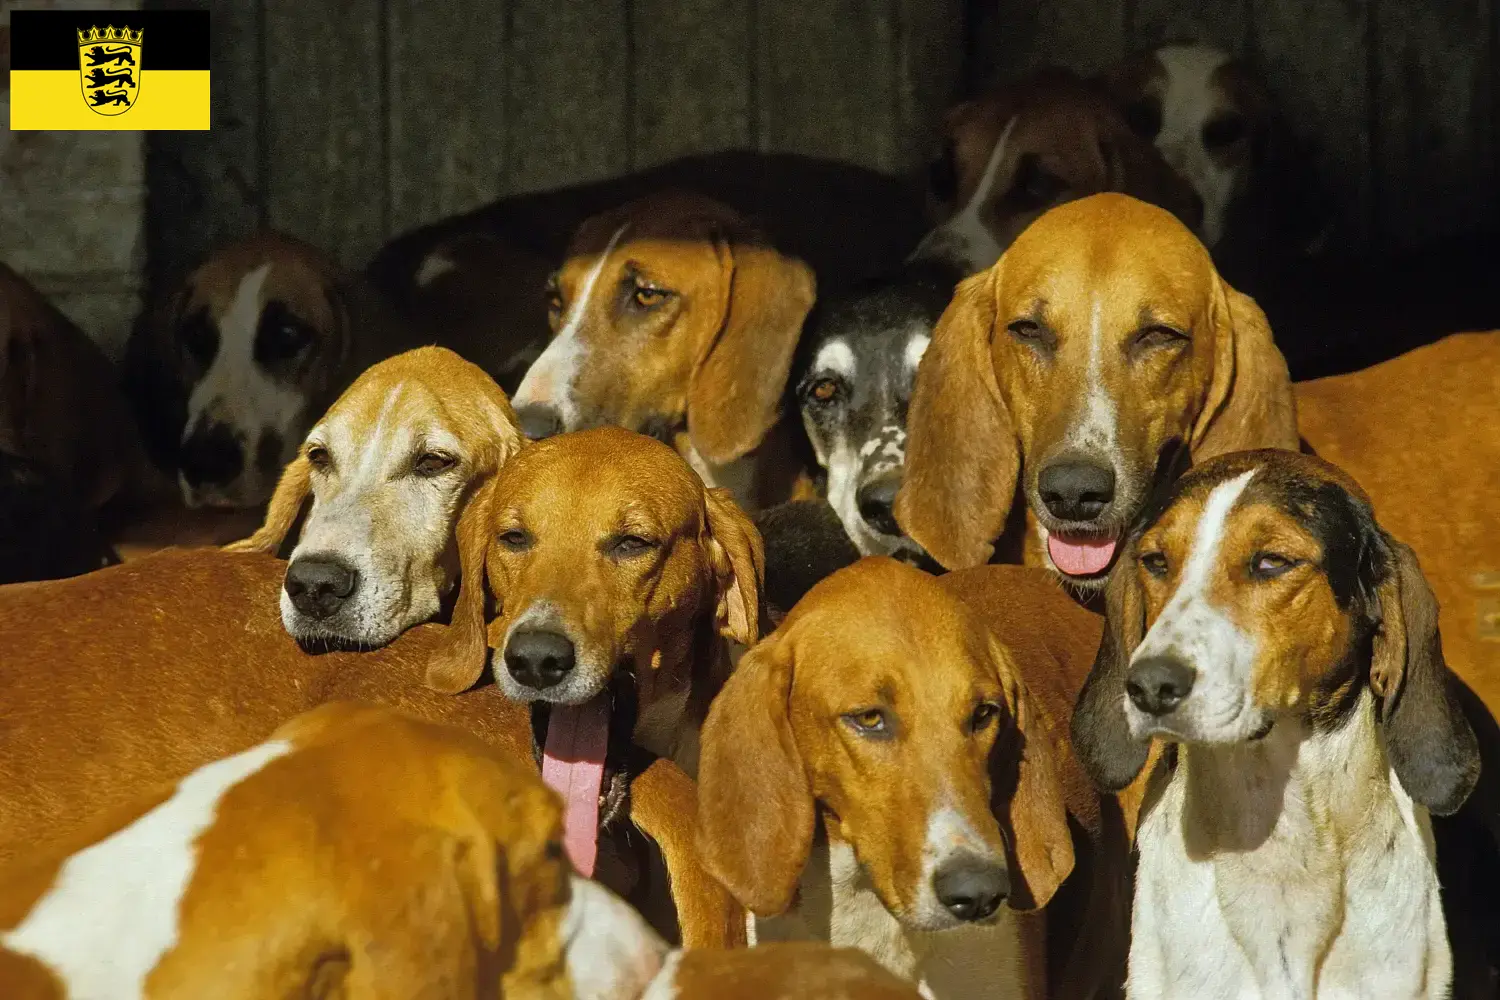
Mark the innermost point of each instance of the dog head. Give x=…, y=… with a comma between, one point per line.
x=1100, y=354
x=670, y=313
x=1015, y=152
x=389, y=469
x=1262, y=592
x=853, y=385
x=885, y=704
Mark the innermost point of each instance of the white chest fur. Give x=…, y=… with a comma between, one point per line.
x=1294, y=867
x=837, y=904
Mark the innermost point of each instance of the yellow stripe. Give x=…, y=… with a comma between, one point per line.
x=53, y=99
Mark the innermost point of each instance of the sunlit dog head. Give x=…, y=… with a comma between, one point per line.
x=241, y=360
x=854, y=381
x=1013, y=153
x=1262, y=592
x=603, y=552
x=883, y=704
x=1101, y=354
x=389, y=468
x=670, y=314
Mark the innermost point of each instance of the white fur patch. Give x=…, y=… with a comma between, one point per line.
x=664, y=986
x=916, y=347
x=836, y=356
x=1097, y=433
x=1189, y=100
x=434, y=266
x=965, y=239
x=610, y=951
x=112, y=911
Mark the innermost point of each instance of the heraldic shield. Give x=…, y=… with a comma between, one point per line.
x=109, y=62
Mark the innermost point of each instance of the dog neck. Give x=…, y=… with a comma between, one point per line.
x=670, y=725
x=1297, y=862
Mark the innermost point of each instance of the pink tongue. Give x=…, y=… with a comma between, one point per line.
x=1083, y=557
x=573, y=766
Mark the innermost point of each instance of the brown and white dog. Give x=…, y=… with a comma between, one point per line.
x=357, y=853
x=1013, y=153
x=672, y=316
x=892, y=765
x=389, y=469
x=1099, y=356
x=1263, y=622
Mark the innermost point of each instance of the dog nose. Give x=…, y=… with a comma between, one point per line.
x=1157, y=684
x=971, y=888
x=538, y=421
x=876, y=500
x=539, y=659
x=1076, y=490
x=319, y=585
x=211, y=455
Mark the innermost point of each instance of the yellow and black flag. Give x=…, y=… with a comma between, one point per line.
x=109, y=69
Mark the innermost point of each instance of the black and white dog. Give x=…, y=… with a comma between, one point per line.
x=853, y=383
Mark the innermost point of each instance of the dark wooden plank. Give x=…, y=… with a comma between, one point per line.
x=1085, y=35
x=1222, y=23
x=826, y=82
x=325, y=124
x=448, y=94
x=1314, y=59
x=692, y=75
x=930, y=49
x=1435, y=133
x=570, y=92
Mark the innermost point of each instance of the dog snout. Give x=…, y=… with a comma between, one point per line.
x=971, y=888
x=539, y=421
x=211, y=456
x=1157, y=684
x=1076, y=489
x=539, y=659
x=319, y=585
x=876, y=500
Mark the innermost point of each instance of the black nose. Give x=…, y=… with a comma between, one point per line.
x=1158, y=683
x=538, y=421
x=211, y=455
x=1076, y=490
x=971, y=888
x=319, y=585
x=876, y=500
x=538, y=659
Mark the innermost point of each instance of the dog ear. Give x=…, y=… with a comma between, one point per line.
x=1100, y=733
x=1250, y=403
x=739, y=562
x=1029, y=798
x=755, y=803
x=1431, y=745
x=961, y=453
x=460, y=663
x=286, y=503
x=737, y=387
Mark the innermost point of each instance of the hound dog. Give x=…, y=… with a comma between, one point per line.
x=1014, y=152
x=1265, y=624
x=673, y=317
x=891, y=766
x=389, y=469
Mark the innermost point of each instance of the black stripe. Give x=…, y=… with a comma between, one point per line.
x=48, y=39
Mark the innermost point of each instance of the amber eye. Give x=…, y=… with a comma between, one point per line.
x=318, y=457
x=1154, y=563
x=824, y=390
x=867, y=722
x=1269, y=565
x=984, y=714
x=431, y=463
x=649, y=296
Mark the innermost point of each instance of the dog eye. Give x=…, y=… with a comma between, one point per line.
x=650, y=296
x=1154, y=563
x=824, y=391
x=869, y=722
x=280, y=335
x=1158, y=336
x=631, y=545
x=431, y=463
x=1223, y=131
x=515, y=539
x=1144, y=118
x=1031, y=332
x=985, y=713
x=1035, y=186
x=318, y=457
x=1269, y=565
x=198, y=338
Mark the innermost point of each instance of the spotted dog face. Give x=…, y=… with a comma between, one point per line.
x=853, y=390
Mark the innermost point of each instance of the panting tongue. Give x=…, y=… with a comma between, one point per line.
x=1080, y=556
x=573, y=766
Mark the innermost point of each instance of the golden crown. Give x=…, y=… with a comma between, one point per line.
x=109, y=34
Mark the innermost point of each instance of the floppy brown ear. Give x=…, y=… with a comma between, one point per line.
x=1250, y=403
x=1430, y=743
x=1100, y=732
x=755, y=804
x=1030, y=801
x=460, y=662
x=286, y=503
x=739, y=562
x=961, y=452
x=737, y=388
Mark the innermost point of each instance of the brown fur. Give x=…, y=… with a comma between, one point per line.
x=787, y=971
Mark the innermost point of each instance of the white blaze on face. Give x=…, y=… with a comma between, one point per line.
x=1189, y=100
x=112, y=911
x=611, y=953
x=916, y=347
x=549, y=382
x=1095, y=434
x=965, y=239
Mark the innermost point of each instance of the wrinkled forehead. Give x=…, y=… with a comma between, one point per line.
x=601, y=483
x=643, y=239
x=385, y=415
